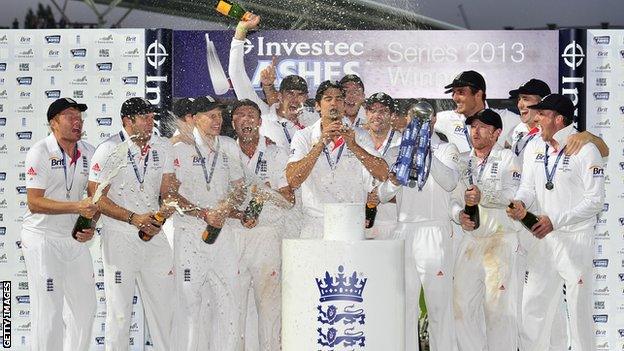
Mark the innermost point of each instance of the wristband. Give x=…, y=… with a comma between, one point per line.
x=130, y=216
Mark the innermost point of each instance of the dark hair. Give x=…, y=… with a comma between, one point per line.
x=474, y=91
x=328, y=84
x=244, y=102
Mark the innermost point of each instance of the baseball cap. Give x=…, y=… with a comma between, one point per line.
x=556, y=102
x=183, y=107
x=294, y=82
x=352, y=78
x=488, y=117
x=467, y=79
x=205, y=104
x=64, y=103
x=136, y=106
x=532, y=87
x=381, y=98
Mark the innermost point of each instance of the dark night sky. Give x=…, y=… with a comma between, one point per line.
x=481, y=14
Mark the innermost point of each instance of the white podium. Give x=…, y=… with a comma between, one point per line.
x=343, y=292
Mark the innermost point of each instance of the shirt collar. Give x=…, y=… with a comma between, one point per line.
x=561, y=137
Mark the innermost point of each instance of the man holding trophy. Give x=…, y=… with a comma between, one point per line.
x=486, y=283
x=424, y=205
x=331, y=162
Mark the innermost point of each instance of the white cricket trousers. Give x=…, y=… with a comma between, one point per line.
x=207, y=310
x=429, y=258
x=60, y=271
x=260, y=270
x=127, y=261
x=560, y=257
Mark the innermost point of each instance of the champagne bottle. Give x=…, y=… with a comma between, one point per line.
x=82, y=223
x=160, y=218
x=253, y=209
x=210, y=235
x=529, y=219
x=473, y=212
x=371, y=212
x=233, y=10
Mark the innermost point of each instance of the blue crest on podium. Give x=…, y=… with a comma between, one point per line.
x=340, y=287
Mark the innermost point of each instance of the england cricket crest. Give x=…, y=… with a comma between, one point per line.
x=341, y=315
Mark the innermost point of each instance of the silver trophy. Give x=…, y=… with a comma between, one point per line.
x=471, y=173
x=423, y=112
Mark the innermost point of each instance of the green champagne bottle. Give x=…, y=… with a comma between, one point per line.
x=234, y=10
x=82, y=223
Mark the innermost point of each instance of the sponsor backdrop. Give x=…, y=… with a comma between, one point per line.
x=104, y=67
x=604, y=86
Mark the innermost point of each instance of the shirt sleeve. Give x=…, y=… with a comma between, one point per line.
x=37, y=169
x=279, y=172
x=238, y=77
x=168, y=157
x=444, y=167
x=299, y=148
x=98, y=170
x=591, y=172
x=526, y=190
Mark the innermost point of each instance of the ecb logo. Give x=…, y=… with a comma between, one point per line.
x=340, y=314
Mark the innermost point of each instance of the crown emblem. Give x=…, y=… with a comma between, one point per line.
x=341, y=287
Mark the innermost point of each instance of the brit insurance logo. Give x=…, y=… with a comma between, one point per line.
x=54, y=53
x=24, y=40
x=341, y=315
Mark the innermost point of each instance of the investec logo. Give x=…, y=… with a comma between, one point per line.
x=573, y=56
x=104, y=66
x=326, y=48
x=78, y=52
x=340, y=314
x=602, y=40
x=53, y=39
x=130, y=80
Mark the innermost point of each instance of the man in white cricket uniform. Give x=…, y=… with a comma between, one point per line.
x=60, y=268
x=331, y=162
x=569, y=192
x=425, y=225
x=355, y=112
x=206, y=275
x=128, y=205
x=379, y=110
x=487, y=282
x=279, y=121
x=468, y=93
x=260, y=239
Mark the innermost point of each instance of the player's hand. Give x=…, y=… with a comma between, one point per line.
x=146, y=224
x=372, y=197
x=268, y=75
x=518, y=211
x=214, y=217
x=576, y=141
x=85, y=235
x=472, y=196
x=465, y=221
x=348, y=134
x=542, y=228
x=251, y=24
x=86, y=208
x=248, y=222
x=331, y=131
